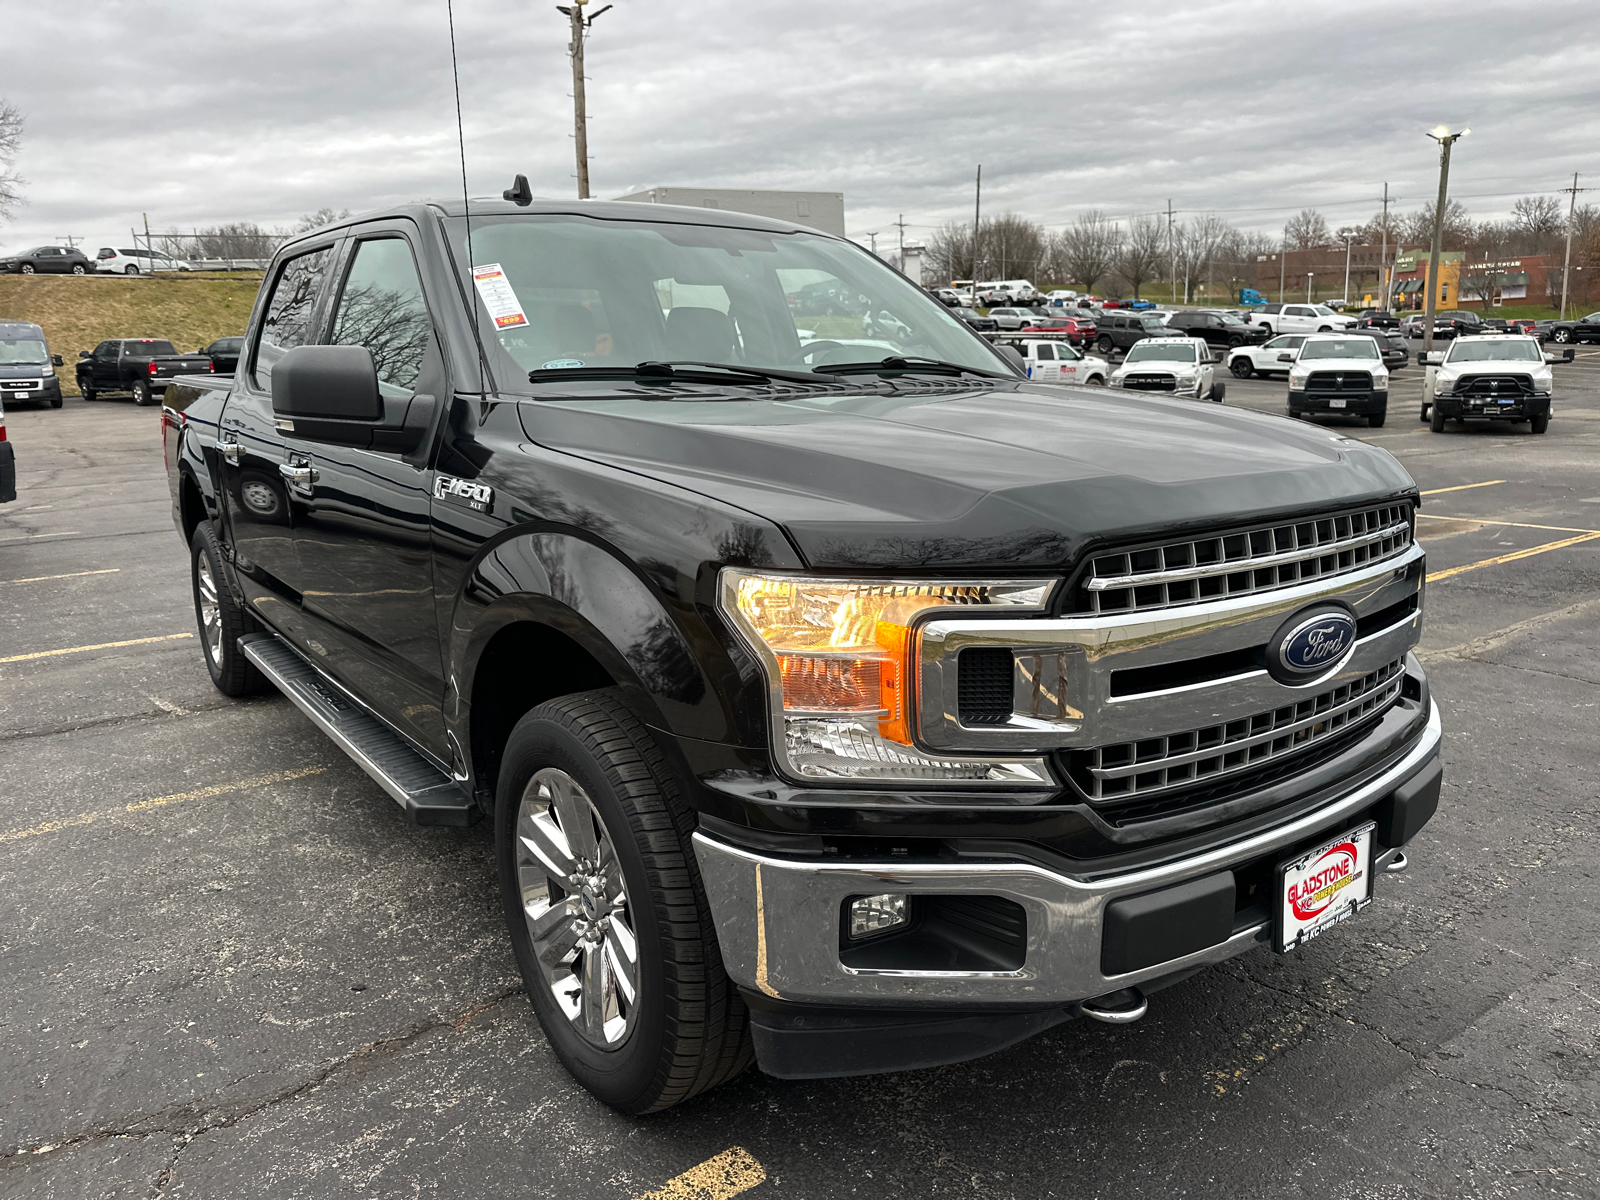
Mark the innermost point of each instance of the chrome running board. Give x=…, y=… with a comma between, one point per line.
x=429, y=796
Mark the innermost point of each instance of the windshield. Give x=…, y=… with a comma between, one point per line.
x=1322, y=310
x=1229, y=319
x=1494, y=351
x=23, y=350
x=1361, y=347
x=1145, y=352
x=557, y=291
x=1151, y=322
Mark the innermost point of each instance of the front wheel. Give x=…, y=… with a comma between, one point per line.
x=1376, y=420
x=1435, y=419
x=84, y=390
x=26, y=268
x=221, y=619
x=55, y=401
x=1242, y=367
x=1219, y=390
x=1425, y=409
x=608, y=918
x=1540, y=423
x=1096, y=381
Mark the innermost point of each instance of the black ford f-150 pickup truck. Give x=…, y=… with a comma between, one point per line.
x=142, y=367
x=851, y=705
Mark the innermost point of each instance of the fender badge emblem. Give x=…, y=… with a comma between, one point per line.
x=476, y=496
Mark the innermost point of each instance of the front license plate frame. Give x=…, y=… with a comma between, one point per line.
x=1323, y=887
x=1338, y=402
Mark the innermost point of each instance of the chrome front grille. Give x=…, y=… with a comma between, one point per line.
x=1248, y=560
x=1201, y=757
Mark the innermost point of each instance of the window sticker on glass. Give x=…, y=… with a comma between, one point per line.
x=498, y=298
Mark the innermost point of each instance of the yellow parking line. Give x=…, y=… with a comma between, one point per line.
x=166, y=637
x=1464, y=487
x=1435, y=576
x=69, y=575
x=205, y=793
x=1508, y=524
x=730, y=1173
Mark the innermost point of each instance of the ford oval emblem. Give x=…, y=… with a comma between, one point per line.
x=1312, y=643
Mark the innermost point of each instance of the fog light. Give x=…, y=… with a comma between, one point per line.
x=876, y=914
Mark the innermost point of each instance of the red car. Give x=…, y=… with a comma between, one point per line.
x=1076, y=330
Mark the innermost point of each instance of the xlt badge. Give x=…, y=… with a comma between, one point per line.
x=476, y=496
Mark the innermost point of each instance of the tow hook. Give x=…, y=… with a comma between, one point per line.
x=1121, y=1007
x=1398, y=863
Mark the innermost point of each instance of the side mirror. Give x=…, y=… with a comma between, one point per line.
x=1013, y=356
x=1435, y=358
x=57, y=361
x=1286, y=357
x=83, y=354
x=330, y=394
x=1567, y=354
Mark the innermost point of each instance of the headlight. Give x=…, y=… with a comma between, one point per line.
x=1297, y=383
x=839, y=661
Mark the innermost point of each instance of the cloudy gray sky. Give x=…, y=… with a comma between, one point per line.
x=198, y=112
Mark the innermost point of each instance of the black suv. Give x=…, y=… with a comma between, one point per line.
x=1119, y=330
x=1585, y=329
x=48, y=260
x=1223, y=330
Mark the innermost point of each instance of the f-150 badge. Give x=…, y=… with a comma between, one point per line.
x=476, y=496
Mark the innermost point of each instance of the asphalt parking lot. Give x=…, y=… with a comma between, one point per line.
x=233, y=969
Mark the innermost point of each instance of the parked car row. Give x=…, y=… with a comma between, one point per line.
x=69, y=260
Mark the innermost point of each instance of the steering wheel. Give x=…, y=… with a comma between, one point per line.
x=820, y=346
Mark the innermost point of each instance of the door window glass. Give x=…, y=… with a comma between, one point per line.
x=382, y=309
x=1047, y=353
x=287, y=323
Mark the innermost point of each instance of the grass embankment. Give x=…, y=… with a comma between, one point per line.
x=79, y=312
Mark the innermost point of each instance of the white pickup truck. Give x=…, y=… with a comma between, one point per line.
x=1054, y=360
x=1301, y=318
x=1176, y=366
x=1495, y=377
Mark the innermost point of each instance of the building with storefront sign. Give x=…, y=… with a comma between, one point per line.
x=1530, y=279
x=1409, y=286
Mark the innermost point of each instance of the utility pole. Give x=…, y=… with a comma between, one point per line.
x=1172, y=250
x=580, y=112
x=1349, y=238
x=1283, y=266
x=1446, y=140
x=901, y=225
x=1383, y=259
x=1566, y=263
x=977, y=213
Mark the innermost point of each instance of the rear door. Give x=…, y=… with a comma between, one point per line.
x=363, y=529
x=262, y=477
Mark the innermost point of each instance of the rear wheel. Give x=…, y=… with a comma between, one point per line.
x=1219, y=389
x=1267, y=329
x=131, y=269
x=77, y=269
x=1540, y=423
x=221, y=619
x=1425, y=409
x=607, y=914
x=1560, y=335
x=142, y=395
x=1104, y=344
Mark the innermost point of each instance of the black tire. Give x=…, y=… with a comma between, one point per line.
x=1104, y=344
x=1540, y=423
x=55, y=401
x=1424, y=417
x=1435, y=419
x=689, y=1030
x=1242, y=367
x=77, y=269
x=1095, y=381
x=142, y=395
x=1561, y=335
x=1235, y=342
x=25, y=269
x=1376, y=420
x=1324, y=328
x=1219, y=390
x=87, y=392
x=1266, y=328
x=131, y=269
x=231, y=672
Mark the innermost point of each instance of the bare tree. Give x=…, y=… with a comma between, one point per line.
x=1538, y=222
x=11, y=123
x=1481, y=276
x=1416, y=229
x=1007, y=247
x=1198, y=240
x=952, y=253
x=1144, y=252
x=1306, y=230
x=1088, y=249
x=323, y=216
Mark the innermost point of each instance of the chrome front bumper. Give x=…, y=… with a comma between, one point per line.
x=778, y=919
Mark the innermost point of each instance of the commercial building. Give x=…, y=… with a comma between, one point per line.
x=1530, y=279
x=1319, y=272
x=1409, y=285
x=820, y=210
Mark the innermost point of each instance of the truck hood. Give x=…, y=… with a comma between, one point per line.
x=25, y=370
x=1007, y=478
x=1304, y=366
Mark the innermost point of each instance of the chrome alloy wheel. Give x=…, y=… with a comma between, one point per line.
x=576, y=905
x=210, y=608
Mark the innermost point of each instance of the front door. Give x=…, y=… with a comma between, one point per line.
x=363, y=539
x=263, y=477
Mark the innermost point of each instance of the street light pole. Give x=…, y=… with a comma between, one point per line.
x=1349, y=239
x=1310, y=275
x=1446, y=140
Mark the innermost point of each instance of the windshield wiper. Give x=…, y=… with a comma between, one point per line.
x=674, y=372
x=912, y=362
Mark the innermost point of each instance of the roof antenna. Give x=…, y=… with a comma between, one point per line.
x=466, y=207
x=519, y=193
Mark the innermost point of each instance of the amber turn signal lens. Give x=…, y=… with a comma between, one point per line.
x=815, y=683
